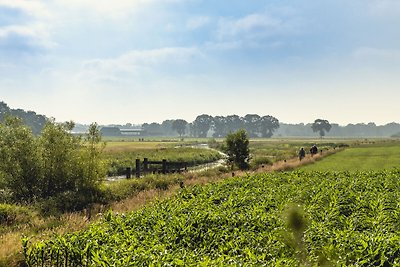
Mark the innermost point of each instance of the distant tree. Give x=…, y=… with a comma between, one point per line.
x=234, y=123
x=152, y=128
x=203, y=123
x=166, y=128
x=321, y=126
x=252, y=124
x=4, y=110
x=34, y=121
x=219, y=126
x=192, y=130
x=110, y=131
x=237, y=148
x=268, y=125
x=179, y=126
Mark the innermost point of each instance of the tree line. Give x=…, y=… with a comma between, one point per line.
x=219, y=126
x=266, y=126
x=35, y=121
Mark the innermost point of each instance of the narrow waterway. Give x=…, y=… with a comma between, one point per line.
x=196, y=168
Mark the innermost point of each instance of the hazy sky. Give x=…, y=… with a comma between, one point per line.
x=149, y=60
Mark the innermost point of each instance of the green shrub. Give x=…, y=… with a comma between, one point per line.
x=72, y=201
x=57, y=166
x=259, y=161
x=14, y=214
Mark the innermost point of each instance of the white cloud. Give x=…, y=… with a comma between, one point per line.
x=138, y=62
x=34, y=30
x=197, y=22
x=35, y=34
x=35, y=8
x=118, y=9
x=253, y=29
x=254, y=23
x=384, y=7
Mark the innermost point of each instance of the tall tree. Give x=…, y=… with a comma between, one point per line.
x=179, y=126
x=153, y=128
x=60, y=158
x=166, y=128
x=234, y=123
x=20, y=160
x=237, y=148
x=252, y=124
x=203, y=123
x=321, y=126
x=268, y=124
x=219, y=126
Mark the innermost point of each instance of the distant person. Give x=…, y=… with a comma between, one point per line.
x=302, y=153
x=313, y=150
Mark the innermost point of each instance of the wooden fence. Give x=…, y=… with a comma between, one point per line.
x=148, y=166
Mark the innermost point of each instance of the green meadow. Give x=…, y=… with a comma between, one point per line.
x=363, y=158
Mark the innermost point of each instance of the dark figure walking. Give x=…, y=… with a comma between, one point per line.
x=302, y=154
x=313, y=150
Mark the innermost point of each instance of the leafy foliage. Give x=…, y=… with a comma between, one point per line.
x=35, y=121
x=279, y=219
x=50, y=166
x=237, y=148
x=20, y=160
x=321, y=126
x=179, y=126
x=202, y=124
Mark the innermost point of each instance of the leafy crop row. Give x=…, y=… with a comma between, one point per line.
x=279, y=219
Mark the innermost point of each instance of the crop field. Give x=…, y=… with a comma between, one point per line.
x=277, y=219
x=369, y=157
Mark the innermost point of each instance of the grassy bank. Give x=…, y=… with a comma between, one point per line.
x=378, y=156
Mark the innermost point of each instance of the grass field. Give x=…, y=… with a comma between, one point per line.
x=122, y=146
x=378, y=156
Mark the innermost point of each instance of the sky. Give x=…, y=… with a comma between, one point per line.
x=136, y=61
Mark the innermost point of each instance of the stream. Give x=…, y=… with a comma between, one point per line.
x=197, y=168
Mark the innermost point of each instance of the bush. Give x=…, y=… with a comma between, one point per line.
x=259, y=161
x=237, y=148
x=72, y=201
x=14, y=214
x=57, y=165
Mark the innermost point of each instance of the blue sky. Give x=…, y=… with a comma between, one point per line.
x=149, y=60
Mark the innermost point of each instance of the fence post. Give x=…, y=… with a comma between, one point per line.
x=137, y=168
x=145, y=165
x=128, y=172
x=164, y=166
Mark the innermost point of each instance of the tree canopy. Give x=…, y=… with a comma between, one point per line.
x=179, y=126
x=56, y=164
x=321, y=126
x=35, y=121
x=237, y=148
